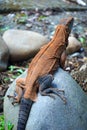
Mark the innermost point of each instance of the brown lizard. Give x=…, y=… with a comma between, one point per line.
x=41, y=70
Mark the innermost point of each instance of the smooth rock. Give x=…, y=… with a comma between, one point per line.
x=73, y=46
x=81, y=2
x=53, y=114
x=4, y=55
x=23, y=44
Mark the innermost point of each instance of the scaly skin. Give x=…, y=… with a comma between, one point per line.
x=46, y=62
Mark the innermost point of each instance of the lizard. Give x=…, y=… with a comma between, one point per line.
x=40, y=72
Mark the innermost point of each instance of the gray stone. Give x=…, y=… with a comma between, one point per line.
x=4, y=55
x=23, y=44
x=50, y=114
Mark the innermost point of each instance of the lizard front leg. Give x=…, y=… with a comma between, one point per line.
x=46, y=89
x=20, y=87
x=63, y=59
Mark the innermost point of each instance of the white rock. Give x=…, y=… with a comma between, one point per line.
x=81, y=2
x=23, y=44
x=73, y=46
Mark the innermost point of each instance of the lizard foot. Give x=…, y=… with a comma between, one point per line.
x=45, y=88
x=25, y=107
x=15, y=98
x=52, y=92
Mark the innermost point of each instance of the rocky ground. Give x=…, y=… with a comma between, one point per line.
x=44, y=22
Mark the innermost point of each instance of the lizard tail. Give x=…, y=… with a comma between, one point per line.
x=25, y=107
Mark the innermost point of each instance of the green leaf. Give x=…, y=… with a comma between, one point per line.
x=6, y=79
x=20, y=71
x=2, y=124
x=40, y=18
x=14, y=76
x=4, y=28
x=11, y=68
x=2, y=117
x=82, y=40
x=10, y=125
x=22, y=20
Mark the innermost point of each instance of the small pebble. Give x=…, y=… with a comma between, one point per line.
x=0, y=88
x=77, y=54
x=28, y=25
x=68, y=69
x=81, y=49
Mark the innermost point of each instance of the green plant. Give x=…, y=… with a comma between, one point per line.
x=42, y=17
x=2, y=124
x=15, y=71
x=10, y=125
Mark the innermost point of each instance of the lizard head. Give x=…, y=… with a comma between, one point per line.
x=68, y=22
x=63, y=30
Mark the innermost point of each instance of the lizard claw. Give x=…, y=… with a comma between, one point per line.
x=15, y=98
x=45, y=93
x=51, y=92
